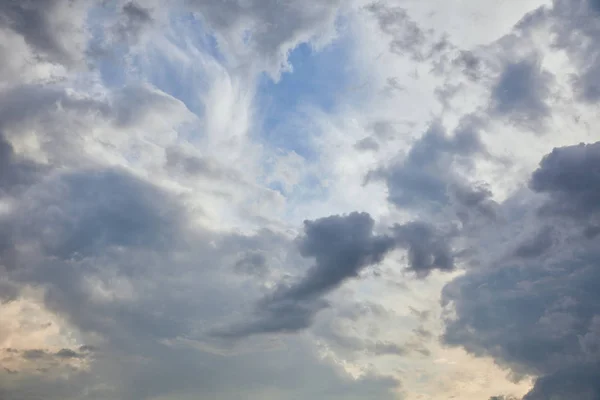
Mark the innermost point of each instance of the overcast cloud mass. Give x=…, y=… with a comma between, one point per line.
x=282, y=200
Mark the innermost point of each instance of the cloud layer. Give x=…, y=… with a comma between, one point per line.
x=291, y=199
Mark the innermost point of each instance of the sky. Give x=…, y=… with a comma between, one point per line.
x=291, y=199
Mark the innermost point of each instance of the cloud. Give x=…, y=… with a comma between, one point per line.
x=537, y=244
x=522, y=92
x=367, y=144
x=135, y=20
x=261, y=33
x=15, y=171
x=536, y=312
x=425, y=176
x=428, y=249
x=407, y=36
x=54, y=29
x=568, y=176
x=341, y=246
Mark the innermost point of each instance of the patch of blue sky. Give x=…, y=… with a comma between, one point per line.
x=318, y=80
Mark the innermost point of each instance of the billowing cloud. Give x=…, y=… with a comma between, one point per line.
x=535, y=310
x=522, y=92
x=568, y=175
x=168, y=233
x=427, y=248
x=342, y=246
x=426, y=176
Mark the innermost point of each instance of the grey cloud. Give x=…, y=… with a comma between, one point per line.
x=574, y=25
x=253, y=263
x=129, y=25
x=569, y=176
x=367, y=144
x=522, y=91
x=424, y=177
x=428, y=249
x=341, y=246
x=68, y=353
x=137, y=18
x=407, y=36
x=34, y=354
x=537, y=313
x=168, y=293
x=51, y=28
x=537, y=244
x=469, y=63
x=591, y=232
x=107, y=208
x=37, y=354
x=270, y=27
x=582, y=383
x=15, y=171
x=178, y=160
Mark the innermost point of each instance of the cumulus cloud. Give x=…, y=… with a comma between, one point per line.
x=535, y=312
x=568, y=175
x=426, y=176
x=428, y=249
x=342, y=246
x=522, y=92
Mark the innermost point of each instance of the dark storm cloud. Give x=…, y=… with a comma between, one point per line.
x=569, y=175
x=522, y=91
x=536, y=244
x=342, y=247
x=424, y=178
x=537, y=312
x=581, y=383
x=427, y=248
